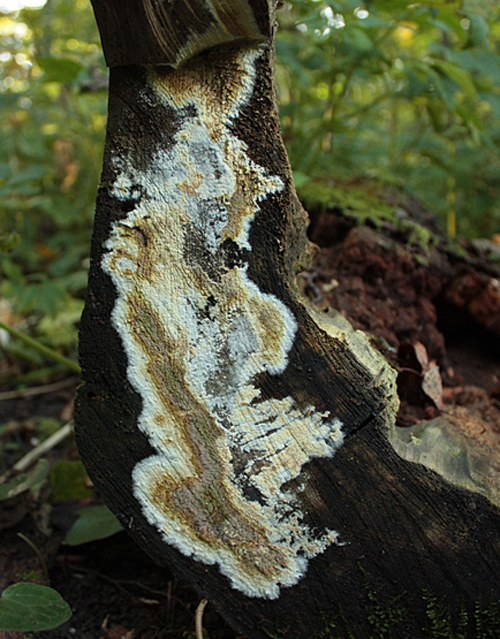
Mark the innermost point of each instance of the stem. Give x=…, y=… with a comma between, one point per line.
x=41, y=348
x=43, y=564
x=44, y=447
x=37, y=390
x=34, y=375
x=199, y=618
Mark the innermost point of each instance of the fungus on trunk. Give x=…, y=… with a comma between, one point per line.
x=238, y=434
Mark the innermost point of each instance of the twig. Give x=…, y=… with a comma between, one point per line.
x=39, y=373
x=115, y=582
x=41, y=348
x=38, y=554
x=198, y=619
x=44, y=447
x=118, y=582
x=37, y=390
x=144, y=587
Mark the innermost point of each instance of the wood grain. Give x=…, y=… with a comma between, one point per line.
x=171, y=31
x=240, y=436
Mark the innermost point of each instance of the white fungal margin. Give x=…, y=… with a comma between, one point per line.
x=196, y=333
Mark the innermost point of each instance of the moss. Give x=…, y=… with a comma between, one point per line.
x=385, y=618
x=366, y=202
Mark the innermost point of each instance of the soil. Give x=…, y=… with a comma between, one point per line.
x=432, y=302
x=113, y=588
x=433, y=311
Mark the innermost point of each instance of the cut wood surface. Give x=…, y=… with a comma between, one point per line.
x=169, y=32
x=240, y=435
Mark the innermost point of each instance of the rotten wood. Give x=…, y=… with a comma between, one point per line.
x=241, y=436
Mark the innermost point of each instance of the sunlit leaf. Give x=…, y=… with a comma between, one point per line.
x=358, y=39
x=59, y=69
x=61, y=327
x=8, y=241
x=462, y=77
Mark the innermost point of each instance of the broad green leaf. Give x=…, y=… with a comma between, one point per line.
x=480, y=7
x=469, y=115
x=68, y=480
x=31, y=608
x=33, y=173
x=61, y=327
x=59, y=69
x=460, y=76
x=4, y=170
x=94, y=522
x=27, y=481
x=8, y=241
x=358, y=39
x=299, y=178
x=478, y=31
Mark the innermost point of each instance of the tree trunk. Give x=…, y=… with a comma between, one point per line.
x=238, y=434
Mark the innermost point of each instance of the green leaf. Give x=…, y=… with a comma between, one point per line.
x=300, y=178
x=27, y=481
x=33, y=173
x=8, y=241
x=478, y=31
x=94, y=522
x=5, y=170
x=61, y=327
x=460, y=76
x=31, y=608
x=67, y=480
x=59, y=69
x=358, y=40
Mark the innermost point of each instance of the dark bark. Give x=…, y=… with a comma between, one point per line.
x=169, y=32
x=240, y=436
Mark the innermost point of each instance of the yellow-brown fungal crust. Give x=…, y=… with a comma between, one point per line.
x=197, y=331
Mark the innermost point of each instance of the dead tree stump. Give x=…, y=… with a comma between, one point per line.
x=240, y=436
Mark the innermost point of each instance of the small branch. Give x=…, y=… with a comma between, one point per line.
x=42, y=448
x=120, y=584
x=38, y=554
x=41, y=348
x=37, y=390
x=198, y=624
x=115, y=582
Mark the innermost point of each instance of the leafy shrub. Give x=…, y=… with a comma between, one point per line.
x=52, y=122
x=405, y=93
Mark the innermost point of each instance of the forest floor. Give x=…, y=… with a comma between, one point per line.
x=434, y=311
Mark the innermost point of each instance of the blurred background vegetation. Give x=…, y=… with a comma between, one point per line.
x=407, y=94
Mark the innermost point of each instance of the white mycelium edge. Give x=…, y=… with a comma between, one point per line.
x=208, y=185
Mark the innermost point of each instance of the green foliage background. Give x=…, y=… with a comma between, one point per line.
x=404, y=93
x=407, y=93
